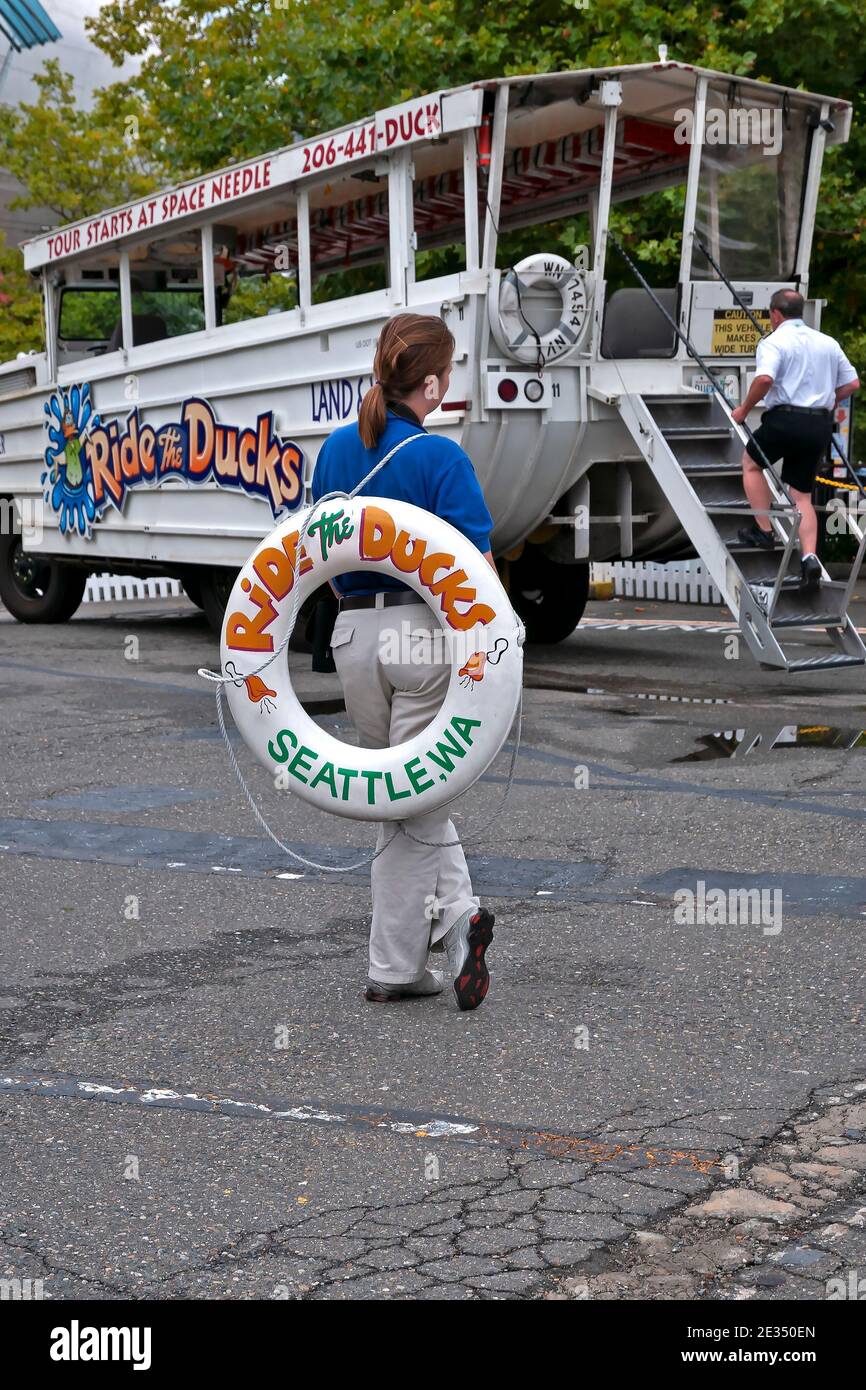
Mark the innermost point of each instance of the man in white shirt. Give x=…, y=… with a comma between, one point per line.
x=803, y=375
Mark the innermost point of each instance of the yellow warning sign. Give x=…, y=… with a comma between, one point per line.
x=734, y=332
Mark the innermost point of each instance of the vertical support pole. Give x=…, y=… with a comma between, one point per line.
x=49, y=304
x=810, y=203
x=412, y=235
x=593, y=221
x=400, y=225
x=494, y=178
x=611, y=97
x=624, y=508
x=126, y=327
x=493, y=198
x=712, y=187
x=207, y=277
x=693, y=178
x=305, y=269
x=470, y=198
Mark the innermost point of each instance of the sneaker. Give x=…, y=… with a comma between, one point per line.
x=431, y=982
x=466, y=943
x=753, y=535
x=810, y=574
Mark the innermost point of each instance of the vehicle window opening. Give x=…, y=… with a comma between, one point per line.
x=439, y=209
x=89, y=309
x=750, y=191
x=255, y=262
x=166, y=289
x=349, y=235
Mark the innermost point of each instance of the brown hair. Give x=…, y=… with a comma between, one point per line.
x=410, y=348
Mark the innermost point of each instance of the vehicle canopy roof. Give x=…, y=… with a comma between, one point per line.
x=551, y=105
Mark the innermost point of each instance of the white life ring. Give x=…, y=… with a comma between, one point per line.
x=508, y=320
x=484, y=639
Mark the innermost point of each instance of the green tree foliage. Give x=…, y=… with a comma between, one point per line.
x=78, y=161
x=20, y=306
x=257, y=295
x=74, y=161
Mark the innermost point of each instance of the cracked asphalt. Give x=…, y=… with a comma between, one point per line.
x=195, y=1102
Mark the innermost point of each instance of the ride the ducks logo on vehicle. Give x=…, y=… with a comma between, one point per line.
x=91, y=464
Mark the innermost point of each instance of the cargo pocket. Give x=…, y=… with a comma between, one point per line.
x=341, y=643
x=343, y=633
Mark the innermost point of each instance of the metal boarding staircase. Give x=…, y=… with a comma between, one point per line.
x=695, y=450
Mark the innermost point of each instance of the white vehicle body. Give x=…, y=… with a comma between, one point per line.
x=555, y=451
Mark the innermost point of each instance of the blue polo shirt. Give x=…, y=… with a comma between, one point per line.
x=433, y=473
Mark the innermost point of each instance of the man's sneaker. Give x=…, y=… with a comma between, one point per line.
x=431, y=982
x=466, y=943
x=753, y=535
x=810, y=574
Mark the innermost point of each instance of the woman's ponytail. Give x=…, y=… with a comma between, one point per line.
x=410, y=348
x=372, y=416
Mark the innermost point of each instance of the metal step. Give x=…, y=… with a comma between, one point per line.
x=693, y=398
x=737, y=546
x=806, y=619
x=791, y=581
x=696, y=432
x=743, y=506
x=822, y=663
x=713, y=468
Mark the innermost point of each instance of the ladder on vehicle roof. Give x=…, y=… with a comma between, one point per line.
x=695, y=450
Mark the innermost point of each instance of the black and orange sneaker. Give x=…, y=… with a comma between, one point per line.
x=466, y=943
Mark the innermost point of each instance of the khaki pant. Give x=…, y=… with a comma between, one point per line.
x=419, y=890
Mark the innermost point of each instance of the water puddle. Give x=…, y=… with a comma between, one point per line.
x=739, y=743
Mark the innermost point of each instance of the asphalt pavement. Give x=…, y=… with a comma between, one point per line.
x=196, y=1101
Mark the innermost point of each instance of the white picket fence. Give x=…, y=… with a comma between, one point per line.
x=682, y=581
x=114, y=587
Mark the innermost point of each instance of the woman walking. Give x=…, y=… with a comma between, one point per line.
x=422, y=893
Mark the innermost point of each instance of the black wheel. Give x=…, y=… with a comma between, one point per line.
x=36, y=588
x=215, y=586
x=550, y=598
x=191, y=584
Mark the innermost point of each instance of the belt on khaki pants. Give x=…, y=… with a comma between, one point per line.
x=383, y=599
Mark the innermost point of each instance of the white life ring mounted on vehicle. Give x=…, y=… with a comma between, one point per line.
x=482, y=635
x=510, y=325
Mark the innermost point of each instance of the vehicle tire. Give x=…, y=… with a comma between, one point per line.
x=215, y=586
x=36, y=588
x=191, y=585
x=548, y=597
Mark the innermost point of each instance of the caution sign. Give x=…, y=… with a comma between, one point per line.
x=734, y=332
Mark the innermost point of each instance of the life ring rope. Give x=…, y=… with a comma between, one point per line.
x=220, y=680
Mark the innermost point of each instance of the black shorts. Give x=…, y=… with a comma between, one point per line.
x=799, y=438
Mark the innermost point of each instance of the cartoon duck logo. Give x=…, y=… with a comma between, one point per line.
x=72, y=452
x=257, y=691
x=67, y=480
x=473, y=671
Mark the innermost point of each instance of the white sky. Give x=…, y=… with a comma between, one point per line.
x=90, y=68
x=88, y=65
